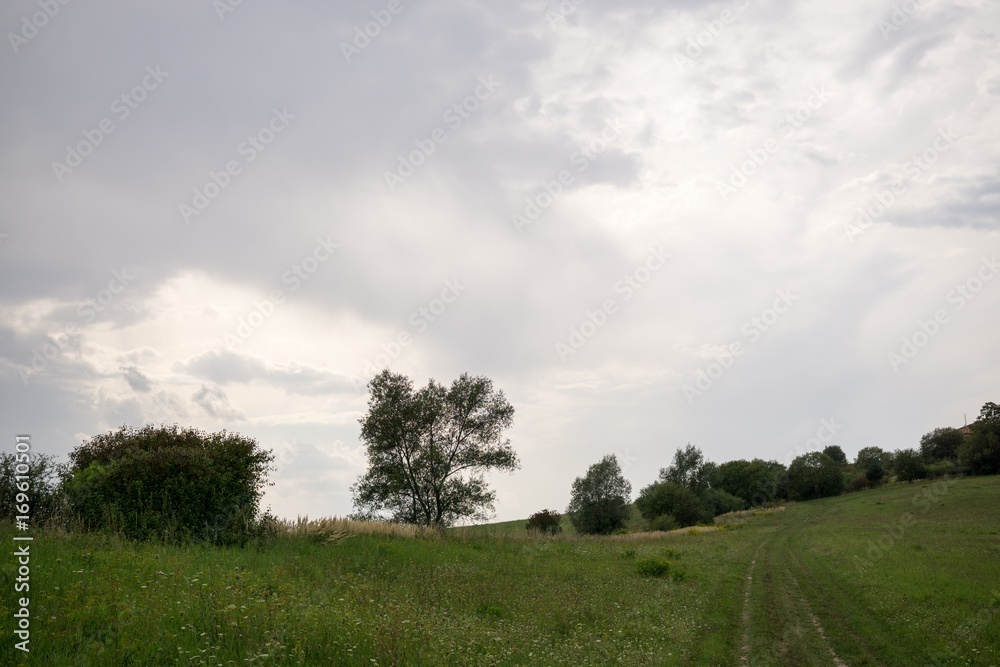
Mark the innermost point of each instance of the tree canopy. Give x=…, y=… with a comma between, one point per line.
x=429, y=449
x=600, y=499
x=688, y=469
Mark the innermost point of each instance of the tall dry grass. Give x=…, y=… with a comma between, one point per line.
x=336, y=529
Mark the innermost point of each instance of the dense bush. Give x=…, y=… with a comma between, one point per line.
x=980, y=452
x=679, y=502
x=909, y=465
x=168, y=483
x=940, y=444
x=756, y=482
x=41, y=486
x=546, y=521
x=653, y=567
x=664, y=522
x=814, y=475
x=858, y=482
x=722, y=502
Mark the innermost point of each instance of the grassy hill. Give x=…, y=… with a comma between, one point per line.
x=905, y=575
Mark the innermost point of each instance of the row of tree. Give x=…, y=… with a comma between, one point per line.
x=429, y=450
x=692, y=491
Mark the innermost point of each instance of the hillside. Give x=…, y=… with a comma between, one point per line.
x=903, y=575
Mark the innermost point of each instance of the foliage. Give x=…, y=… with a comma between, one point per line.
x=836, y=453
x=872, y=462
x=858, y=482
x=169, y=483
x=941, y=444
x=756, y=482
x=909, y=465
x=428, y=450
x=679, y=503
x=664, y=522
x=599, y=500
x=546, y=521
x=722, y=502
x=39, y=479
x=980, y=452
x=688, y=469
x=814, y=475
x=653, y=567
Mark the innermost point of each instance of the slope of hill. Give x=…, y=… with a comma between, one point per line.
x=905, y=575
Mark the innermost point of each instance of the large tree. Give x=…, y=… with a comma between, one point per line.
x=941, y=444
x=980, y=452
x=688, y=469
x=429, y=449
x=600, y=500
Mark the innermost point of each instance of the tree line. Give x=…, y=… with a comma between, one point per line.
x=692, y=491
x=429, y=450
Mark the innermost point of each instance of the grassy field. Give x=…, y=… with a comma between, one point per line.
x=907, y=575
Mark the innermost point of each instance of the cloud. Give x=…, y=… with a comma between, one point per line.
x=136, y=379
x=216, y=403
x=229, y=367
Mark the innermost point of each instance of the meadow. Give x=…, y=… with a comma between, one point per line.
x=903, y=575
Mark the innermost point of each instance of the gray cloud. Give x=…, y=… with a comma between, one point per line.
x=117, y=310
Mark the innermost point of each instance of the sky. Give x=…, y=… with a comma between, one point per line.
x=759, y=227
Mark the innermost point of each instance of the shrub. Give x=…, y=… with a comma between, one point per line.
x=546, y=521
x=722, y=502
x=680, y=502
x=941, y=444
x=942, y=468
x=653, y=567
x=664, y=522
x=858, y=483
x=169, y=483
x=814, y=475
x=909, y=465
x=980, y=452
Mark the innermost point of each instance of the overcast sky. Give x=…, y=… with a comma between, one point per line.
x=758, y=227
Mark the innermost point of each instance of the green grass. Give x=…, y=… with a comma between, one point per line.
x=762, y=590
